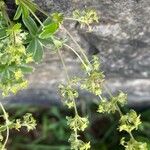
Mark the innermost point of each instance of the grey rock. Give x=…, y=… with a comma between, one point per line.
x=121, y=39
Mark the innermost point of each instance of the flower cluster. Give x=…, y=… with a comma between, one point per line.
x=86, y=17
x=76, y=123
x=68, y=94
x=27, y=121
x=95, y=78
x=132, y=144
x=13, y=60
x=129, y=122
x=93, y=83
x=111, y=106
x=77, y=144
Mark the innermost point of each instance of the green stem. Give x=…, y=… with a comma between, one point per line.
x=131, y=135
x=7, y=128
x=76, y=54
x=33, y=14
x=42, y=11
x=66, y=71
x=63, y=63
x=81, y=50
x=75, y=107
x=73, y=19
x=120, y=112
x=100, y=97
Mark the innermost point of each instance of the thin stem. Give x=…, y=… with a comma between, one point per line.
x=66, y=71
x=75, y=107
x=7, y=128
x=76, y=54
x=42, y=11
x=46, y=14
x=131, y=135
x=120, y=112
x=73, y=19
x=63, y=63
x=76, y=137
x=34, y=14
x=84, y=55
x=81, y=50
x=36, y=18
x=100, y=97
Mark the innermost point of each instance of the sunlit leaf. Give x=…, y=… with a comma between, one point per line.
x=49, y=30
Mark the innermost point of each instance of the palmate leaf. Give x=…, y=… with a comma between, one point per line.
x=51, y=25
x=49, y=30
x=30, y=5
x=26, y=68
x=36, y=49
x=31, y=25
x=24, y=8
x=21, y=10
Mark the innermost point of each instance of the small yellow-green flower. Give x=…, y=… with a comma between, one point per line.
x=18, y=74
x=78, y=123
x=129, y=122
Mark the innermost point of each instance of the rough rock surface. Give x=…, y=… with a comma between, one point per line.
x=121, y=39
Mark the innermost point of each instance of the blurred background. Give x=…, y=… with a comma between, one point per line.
x=121, y=41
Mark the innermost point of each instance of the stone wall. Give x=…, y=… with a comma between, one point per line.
x=121, y=39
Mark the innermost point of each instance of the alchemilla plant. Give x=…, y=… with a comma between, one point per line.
x=22, y=41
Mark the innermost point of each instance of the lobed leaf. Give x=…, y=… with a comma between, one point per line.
x=31, y=25
x=35, y=47
x=49, y=30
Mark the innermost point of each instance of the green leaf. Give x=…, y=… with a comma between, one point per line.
x=18, y=13
x=31, y=25
x=46, y=42
x=30, y=5
x=26, y=69
x=25, y=11
x=49, y=30
x=28, y=39
x=2, y=33
x=35, y=47
x=17, y=2
x=5, y=74
x=2, y=67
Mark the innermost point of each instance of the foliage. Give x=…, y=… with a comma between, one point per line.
x=52, y=131
x=21, y=46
